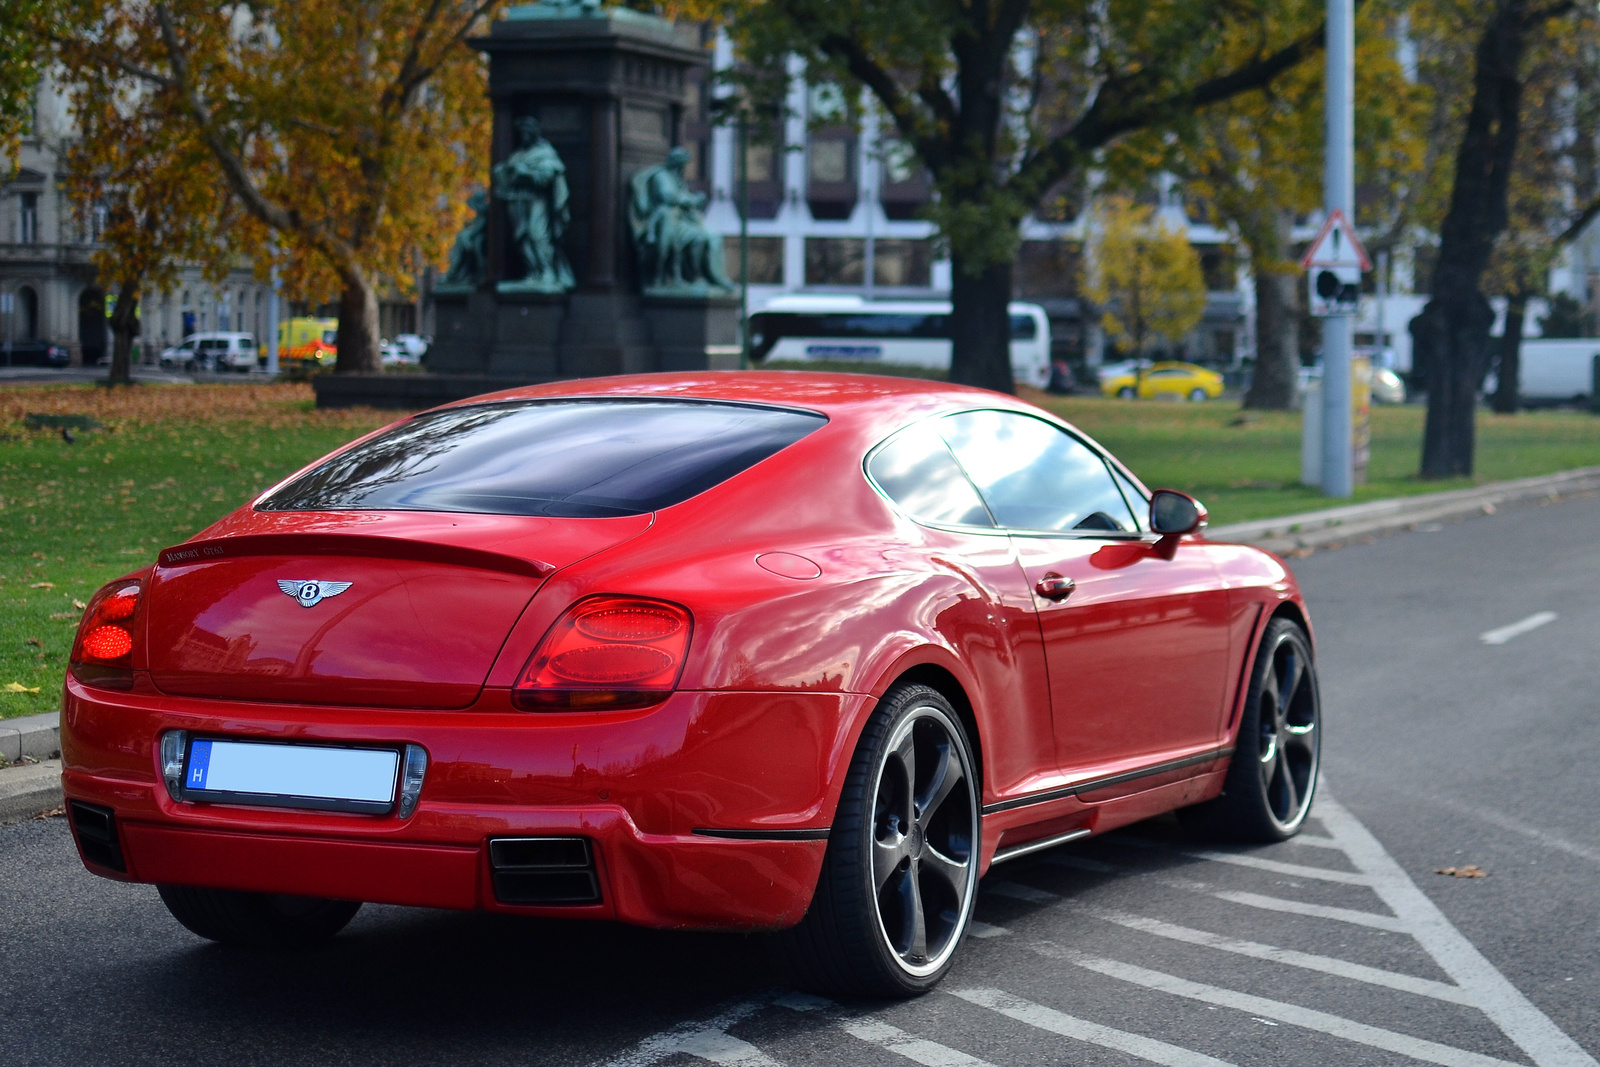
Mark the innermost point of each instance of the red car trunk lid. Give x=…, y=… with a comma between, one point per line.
x=418, y=625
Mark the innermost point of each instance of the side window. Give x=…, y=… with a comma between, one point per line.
x=916, y=471
x=1136, y=500
x=1035, y=476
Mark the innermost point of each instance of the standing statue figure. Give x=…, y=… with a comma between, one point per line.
x=532, y=182
x=467, y=263
x=676, y=254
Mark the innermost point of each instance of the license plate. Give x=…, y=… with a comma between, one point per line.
x=319, y=777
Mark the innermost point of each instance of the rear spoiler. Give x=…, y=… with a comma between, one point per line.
x=316, y=544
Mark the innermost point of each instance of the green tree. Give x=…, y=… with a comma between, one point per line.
x=349, y=131
x=1005, y=101
x=1145, y=277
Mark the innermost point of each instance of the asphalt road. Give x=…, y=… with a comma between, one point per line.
x=1346, y=947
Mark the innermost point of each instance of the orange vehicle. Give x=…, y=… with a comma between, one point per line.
x=308, y=342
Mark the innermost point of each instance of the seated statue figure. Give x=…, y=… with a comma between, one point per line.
x=467, y=263
x=676, y=254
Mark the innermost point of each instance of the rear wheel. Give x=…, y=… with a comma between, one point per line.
x=1197, y=395
x=1126, y=393
x=901, y=874
x=259, y=920
x=1273, y=775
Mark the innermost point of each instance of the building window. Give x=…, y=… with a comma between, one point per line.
x=28, y=231
x=901, y=263
x=1220, y=268
x=835, y=261
x=766, y=259
x=900, y=163
x=760, y=162
x=830, y=161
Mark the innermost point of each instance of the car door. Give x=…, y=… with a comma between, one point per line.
x=1136, y=643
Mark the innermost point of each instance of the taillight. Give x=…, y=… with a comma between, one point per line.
x=103, y=653
x=607, y=652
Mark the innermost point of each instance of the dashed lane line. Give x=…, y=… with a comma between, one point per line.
x=1055, y=1022
x=1496, y=997
x=1307, y=1018
x=1518, y=628
x=877, y=1032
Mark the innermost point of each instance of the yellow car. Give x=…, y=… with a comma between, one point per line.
x=1169, y=381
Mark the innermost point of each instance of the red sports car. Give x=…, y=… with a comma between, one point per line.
x=794, y=652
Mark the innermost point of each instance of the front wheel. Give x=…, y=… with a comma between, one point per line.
x=257, y=920
x=1273, y=775
x=1197, y=395
x=1126, y=393
x=900, y=878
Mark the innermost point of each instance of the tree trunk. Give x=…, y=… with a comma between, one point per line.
x=358, y=327
x=1277, y=376
x=1454, y=326
x=124, y=328
x=1505, y=394
x=980, y=327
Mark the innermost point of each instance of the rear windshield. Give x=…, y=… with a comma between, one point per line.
x=575, y=458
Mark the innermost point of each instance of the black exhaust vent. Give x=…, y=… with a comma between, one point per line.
x=96, y=829
x=544, y=870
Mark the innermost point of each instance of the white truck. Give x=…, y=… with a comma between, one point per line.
x=1552, y=371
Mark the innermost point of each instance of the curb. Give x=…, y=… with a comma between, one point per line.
x=30, y=737
x=30, y=789
x=1305, y=533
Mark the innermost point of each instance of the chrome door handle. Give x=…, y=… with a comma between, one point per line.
x=1054, y=587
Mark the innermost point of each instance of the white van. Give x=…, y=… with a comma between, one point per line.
x=213, y=351
x=1556, y=371
x=906, y=332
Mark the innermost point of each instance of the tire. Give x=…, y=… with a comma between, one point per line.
x=257, y=920
x=1198, y=395
x=1126, y=393
x=1272, y=778
x=860, y=936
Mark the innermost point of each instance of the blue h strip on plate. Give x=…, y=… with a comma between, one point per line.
x=199, y=764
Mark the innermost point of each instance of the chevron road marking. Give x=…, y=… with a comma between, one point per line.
x=1037, y=1015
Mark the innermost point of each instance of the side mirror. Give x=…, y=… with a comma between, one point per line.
x=1173, y=514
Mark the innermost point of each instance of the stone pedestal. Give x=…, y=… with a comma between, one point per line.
x=694, y=333
x=526, y=329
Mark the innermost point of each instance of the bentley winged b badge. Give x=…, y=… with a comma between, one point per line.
x=309, y=593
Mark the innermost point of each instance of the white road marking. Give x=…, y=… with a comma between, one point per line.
x=699, y=1038
x=1315, y=911
x=984, y=930
x=1348, y=1029
x=1293, y=870
x=1517, y=629
x=1314, y=841
x=877, y=1032
x=1018, y=891
x=1055, y=1022
x=1516, y=826
x=1512, y=1012
x=1426, y=987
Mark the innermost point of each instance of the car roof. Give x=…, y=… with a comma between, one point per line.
x=866, y=398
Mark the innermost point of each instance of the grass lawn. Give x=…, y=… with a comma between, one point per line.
x=172, y=459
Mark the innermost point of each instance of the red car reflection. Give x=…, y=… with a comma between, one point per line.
x=797, y=652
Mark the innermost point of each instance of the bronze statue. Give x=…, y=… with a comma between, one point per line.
x=676, y=254
x=468, y=267
x=532, y=182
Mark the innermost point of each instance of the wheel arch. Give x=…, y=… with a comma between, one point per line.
x=938, y=678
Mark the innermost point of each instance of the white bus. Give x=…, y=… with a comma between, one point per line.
x=906, y=332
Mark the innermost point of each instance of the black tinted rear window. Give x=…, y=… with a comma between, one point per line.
x=575, y=458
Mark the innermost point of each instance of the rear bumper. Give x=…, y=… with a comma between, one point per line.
x=636, y=786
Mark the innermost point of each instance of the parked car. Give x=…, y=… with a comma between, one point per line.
x=684, y=650
x=213, y=351
x=1387, y=386
x=1170, y=379
x=33, y=353
x=414, y=345
x=392, y=353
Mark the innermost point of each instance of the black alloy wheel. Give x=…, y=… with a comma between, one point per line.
x=900, y=878
x=1272, y=778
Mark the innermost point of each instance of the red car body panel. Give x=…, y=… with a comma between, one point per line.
x=810, y=594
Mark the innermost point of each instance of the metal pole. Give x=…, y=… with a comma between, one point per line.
x=272, y=315
x=869, y=194
x=744, y=243
x=1338, y=194
x=1382, y=358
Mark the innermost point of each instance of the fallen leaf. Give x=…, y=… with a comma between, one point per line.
x=80, y=605
x=35, y=642
x=53, y=813
x=61, y=615
x=1469, y=871
x=42, y=585
x=17, y=687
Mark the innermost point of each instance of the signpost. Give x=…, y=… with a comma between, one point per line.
x=1333, y=266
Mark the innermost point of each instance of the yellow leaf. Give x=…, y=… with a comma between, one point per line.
x=18, y=687
x=42, y=585
x=80, y=605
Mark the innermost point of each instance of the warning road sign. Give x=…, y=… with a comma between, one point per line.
x=1335, y=261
